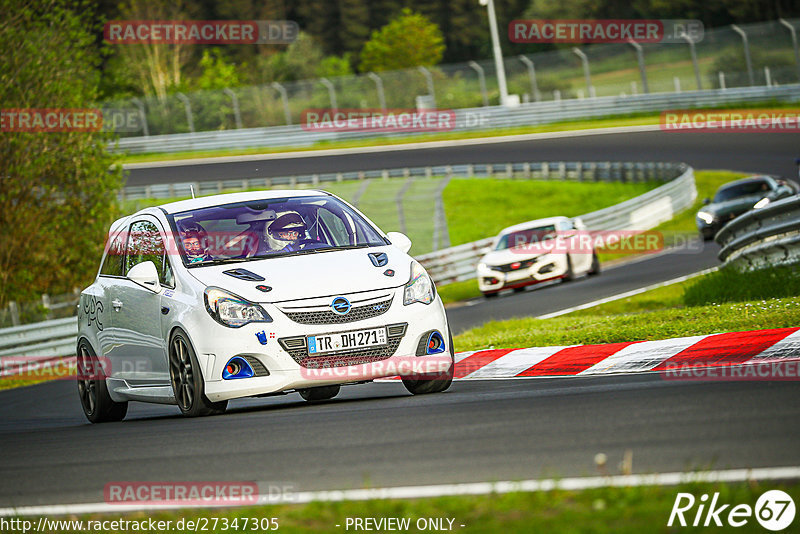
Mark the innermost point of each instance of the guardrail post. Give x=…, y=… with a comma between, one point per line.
x=721, y=80
x=237, y=116
x=401, y=216
x=285, y=100
x=640, y=60
x=526, y=170
x=379, y=87
x=677, y=82
x=537, y=96
x=188, y=108
x=693, y=52
x=746, y=45
x=481, y=80
x=767, y=76
x=556, y=95
x=793, y=32
x=586, y=74
x=46, y=306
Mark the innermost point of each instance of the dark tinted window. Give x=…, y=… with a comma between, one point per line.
x=742, y=190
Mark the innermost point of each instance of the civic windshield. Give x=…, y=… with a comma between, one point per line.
x=746, y=189
x=526, y=237
x=270, y=228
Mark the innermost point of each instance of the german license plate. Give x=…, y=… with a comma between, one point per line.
x=360, y=339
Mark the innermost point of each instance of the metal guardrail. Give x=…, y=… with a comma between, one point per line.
x=643, y=212
x=467, y=119
x=539, y=170
x=39, y=340
x=764, y=237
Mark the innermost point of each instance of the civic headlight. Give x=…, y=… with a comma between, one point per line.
x=761, y=203
x=420, y=287
x=231, y=310
x=706, y=217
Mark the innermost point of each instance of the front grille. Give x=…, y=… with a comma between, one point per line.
x=327, y=316
x=507, y=268
x=296, y=347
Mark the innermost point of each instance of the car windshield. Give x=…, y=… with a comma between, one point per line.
x=745, y=189
x=269, y=228
x=526, y=237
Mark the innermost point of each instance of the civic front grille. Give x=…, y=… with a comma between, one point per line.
x=327, y=316
x=296, y=347
x=522, y=265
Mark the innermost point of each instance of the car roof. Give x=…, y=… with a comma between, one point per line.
x=533, y=224
x=748, y=180
x=230, y=198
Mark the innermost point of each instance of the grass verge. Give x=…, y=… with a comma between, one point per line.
x=618, y=510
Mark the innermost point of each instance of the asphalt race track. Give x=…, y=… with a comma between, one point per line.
x=772, y=153
x=378, y=435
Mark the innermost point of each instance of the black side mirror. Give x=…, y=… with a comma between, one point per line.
x=706, y=201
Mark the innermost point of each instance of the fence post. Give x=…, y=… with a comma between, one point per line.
x=237, y=116
x=586, y=74
x=640, y=60
x=188, y=107
x=746, y=45
x=13, y=310
x=537, y=96
x=140, y=106
x=677, y=82
x=331, y=92
x=285, y=99
x=794, y=44
x=429, y=79
x=721, y=80
x=379, y=85
x=693, y=52
x=481, y=80
x=401, y=216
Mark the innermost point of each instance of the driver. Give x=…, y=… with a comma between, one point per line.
x=194, y=238
x=286, y=232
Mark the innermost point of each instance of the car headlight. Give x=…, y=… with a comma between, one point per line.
x=231, y=310
x=761, y=203
x=706, y=217
x=420, y=287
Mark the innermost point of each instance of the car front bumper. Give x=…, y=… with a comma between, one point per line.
x=547, y=267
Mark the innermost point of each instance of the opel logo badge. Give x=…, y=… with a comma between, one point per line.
x=340, y=305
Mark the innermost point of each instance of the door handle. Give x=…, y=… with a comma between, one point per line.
x=116, y=304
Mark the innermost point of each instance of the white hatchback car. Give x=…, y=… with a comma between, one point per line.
x=533, y=252
x=253, y=294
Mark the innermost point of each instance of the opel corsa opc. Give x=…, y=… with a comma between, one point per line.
x=254, y=294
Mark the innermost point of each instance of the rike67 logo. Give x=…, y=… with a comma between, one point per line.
x=774, y=510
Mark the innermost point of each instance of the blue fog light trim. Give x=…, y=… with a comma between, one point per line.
x=243, y=369
x=438, y=340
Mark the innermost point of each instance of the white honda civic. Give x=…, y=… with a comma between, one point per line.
x=254, y=294
x=536, y=251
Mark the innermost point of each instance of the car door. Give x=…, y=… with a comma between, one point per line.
x=139, y=355
x=95, y=305
x=581, y=259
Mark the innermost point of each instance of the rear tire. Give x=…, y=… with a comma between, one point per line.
x=321, y=393
x=491, y=295
x=98, y=407
x=187, y=381
x=569, y=276
x=435, y=384
x=595, y=269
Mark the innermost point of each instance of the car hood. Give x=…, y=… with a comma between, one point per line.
x=735, y=206
x=310, y=275
x=507, y=256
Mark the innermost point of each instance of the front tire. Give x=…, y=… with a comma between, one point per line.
x=434, y=384
x=320, y=393
x=569, y=276
x=98, y=407
x=187, y=381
